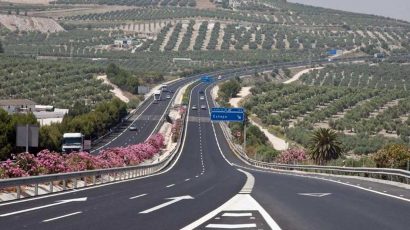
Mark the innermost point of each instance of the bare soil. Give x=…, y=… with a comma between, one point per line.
x=204, y=4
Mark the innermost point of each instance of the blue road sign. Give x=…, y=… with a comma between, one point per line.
x=206, y=79
x=332, y=52
x=227, y=114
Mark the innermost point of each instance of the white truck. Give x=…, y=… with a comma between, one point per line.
x=157, y=95
x=164, y=88
x=73, y=142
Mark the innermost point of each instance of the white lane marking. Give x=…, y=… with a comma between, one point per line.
x=314, y=194
x=169, y=186
x=249, y=184
x=60, y=217
x=134, y=197
x=240, y=202
x=231, y=226
x=196, y=176
x=187, y=179
x=172, y=200
x=234, y=214
x=44, y=206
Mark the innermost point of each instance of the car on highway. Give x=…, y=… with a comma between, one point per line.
x=194, y=107
x=219, y=77
x=168, y=96
x=201, y=97
x=203, y=107
x=201, y=92
x=133, y=128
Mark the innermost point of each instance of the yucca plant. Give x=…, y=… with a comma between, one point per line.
x=324, y=146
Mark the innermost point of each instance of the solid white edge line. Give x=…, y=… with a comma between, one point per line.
x=60, y=217
x=134, y=197
x=115, y=182
x=231, y=226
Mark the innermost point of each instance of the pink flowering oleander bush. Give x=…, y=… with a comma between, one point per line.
x=157, y=141
x=291, y=156
x=10, y=169
x=29, y=163
x=53, y=162
x=80, y=161
x=47, y=162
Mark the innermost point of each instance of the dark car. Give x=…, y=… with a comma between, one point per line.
x=201, y=92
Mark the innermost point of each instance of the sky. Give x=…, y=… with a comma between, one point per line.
x=399, y=9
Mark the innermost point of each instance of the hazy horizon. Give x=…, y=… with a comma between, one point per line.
x=399, y=9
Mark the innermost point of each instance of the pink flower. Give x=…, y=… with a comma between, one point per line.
x=291, y=156
x=10, y=169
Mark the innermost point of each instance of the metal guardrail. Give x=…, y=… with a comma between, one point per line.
x=90, y=177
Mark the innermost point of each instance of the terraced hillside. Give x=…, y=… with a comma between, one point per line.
x=255, y=32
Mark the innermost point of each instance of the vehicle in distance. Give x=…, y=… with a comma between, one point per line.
x=194, y=107
x=157, y=95
x=133, y=128
x=201, y=97
x=168, y=96
x=73, y=142
x=201, y=92
x=164, y=88
x=219, y=77
x=203, y=107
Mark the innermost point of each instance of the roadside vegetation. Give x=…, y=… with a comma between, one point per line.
x=49, y=162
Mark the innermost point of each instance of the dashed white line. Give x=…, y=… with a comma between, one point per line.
x=60, y=217
x=134, y=197
x=169, y=186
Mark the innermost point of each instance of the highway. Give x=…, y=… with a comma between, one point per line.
x=203, y=188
